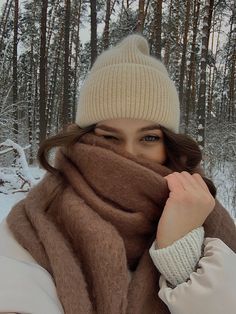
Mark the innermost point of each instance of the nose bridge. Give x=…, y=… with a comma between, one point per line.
x=129, y=146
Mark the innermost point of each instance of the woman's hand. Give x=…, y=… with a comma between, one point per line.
x=187, y=207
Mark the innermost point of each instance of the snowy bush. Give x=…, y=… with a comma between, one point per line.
x=16, y=177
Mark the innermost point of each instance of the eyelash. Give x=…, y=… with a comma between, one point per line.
x=112, y=137
x=156, y=137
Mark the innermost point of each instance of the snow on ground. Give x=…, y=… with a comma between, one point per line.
x=224, y=179
x=8, y=200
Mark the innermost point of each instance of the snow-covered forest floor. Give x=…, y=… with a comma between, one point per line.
x=8, y=200
x=221, y=177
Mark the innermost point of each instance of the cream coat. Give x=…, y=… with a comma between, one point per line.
x=25, y=287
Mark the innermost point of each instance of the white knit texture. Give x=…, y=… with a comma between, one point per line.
x=126, y=82
x=177, y=261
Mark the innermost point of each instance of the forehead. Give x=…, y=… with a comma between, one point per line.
x=127, y=124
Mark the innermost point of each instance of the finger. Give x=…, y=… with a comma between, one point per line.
x=186, y=180
x=200, y=180
x=173, y=183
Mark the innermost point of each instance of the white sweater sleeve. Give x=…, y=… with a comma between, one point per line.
x=177, y=261
x=210, y=289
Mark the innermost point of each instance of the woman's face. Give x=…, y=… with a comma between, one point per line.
x=141, y=138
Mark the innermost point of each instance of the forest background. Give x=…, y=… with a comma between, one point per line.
x=47, y=47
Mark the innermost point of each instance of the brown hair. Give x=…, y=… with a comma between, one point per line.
x=183, y=153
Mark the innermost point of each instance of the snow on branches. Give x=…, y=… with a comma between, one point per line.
x=18, y=177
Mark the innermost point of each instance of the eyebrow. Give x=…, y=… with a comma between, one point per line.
x=146, y=128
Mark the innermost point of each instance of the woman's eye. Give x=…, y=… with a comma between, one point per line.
x=151, y=138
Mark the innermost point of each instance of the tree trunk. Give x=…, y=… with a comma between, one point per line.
x=140, y=21
x=168, y=39
x=157, y=29
x=212, y=71
x=191, y=84
x=201, y=110
x=30, y=92
x=107, y=25
x=93, y=6
x=214, y=75
x=232, y=70
x=53, y=81
x=4, y=19
x=51, y=21
x=43, y=72
x=66, y=78
x=183, y=58
x=77, y=53
x=15, y=79
x=177, y=39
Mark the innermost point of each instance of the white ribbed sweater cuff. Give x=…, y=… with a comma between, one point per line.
x=177, y=261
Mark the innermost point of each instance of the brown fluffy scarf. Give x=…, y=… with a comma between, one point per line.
x=96, y=222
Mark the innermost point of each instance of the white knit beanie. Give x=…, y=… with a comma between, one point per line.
x=126, y=82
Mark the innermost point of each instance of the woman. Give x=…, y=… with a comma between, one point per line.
x=124, y=222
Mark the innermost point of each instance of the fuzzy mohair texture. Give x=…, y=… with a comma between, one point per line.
x=96, y=222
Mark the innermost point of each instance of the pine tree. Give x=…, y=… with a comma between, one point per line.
x=66, y=77
x=93, y=6
x=43, y=71
x=15, y=78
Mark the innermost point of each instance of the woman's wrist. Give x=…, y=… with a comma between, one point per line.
x=178, y=260
x=168, y=240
